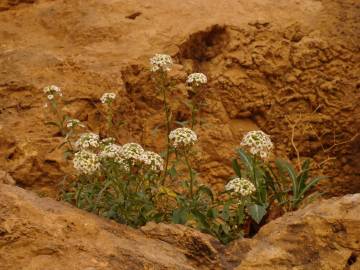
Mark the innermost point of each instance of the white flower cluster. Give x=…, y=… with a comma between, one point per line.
x=87, y=140
x=107, y=141
x=51, y=91
x=86, y=162
x=107, y=98
x=153, y=160
x=93, y=153
x=132, y=152
x=182, y=137
x=240, y=185
x=72, y=123
x=111, y=150
x=258, y=142
x=114, y=152
x=196, y=79
x=161, y=62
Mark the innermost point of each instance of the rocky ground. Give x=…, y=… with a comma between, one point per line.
x=39, y=233
x=288, y=67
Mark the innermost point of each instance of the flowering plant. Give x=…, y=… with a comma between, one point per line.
x=279, y=186
x=127, y=183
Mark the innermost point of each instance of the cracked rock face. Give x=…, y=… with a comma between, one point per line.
x=265, y=60
x=272, y=65
x=39, y=233
x=321, y=236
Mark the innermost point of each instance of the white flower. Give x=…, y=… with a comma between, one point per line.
x=108, y=140
x=183, y=137
x=132, y=152
x=52, y=90
x=87, y=140
x=161, y=62
x=153, y=160
x=258, y=142
x=123, y=163
x=72, y=123
x=107, y=98
x=196, y=79
x=45, y=105
x=50, y=97
x=86, y=162
x=111, y=150
x=240, y=185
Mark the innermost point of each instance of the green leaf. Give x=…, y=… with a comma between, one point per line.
x=172, y=171
x=240, y=215
x=311, y=184
x=180, y=216
x=206, y=190
x=163, y=153
x=225, y=211
x=182, y=123
x=286, y=167
x=303, y=176
x=236, y=167
x=200, y=218
x=257, y=212
x=225, y=228
x=245, y=158
x=158, y=217
x=212, y=213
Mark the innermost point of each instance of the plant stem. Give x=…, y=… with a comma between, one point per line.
x=191, y=175
x=163, y=89
x=109, y=120
x=193, y=109
x=255, y=179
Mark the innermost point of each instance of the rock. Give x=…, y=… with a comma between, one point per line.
x=322, y=236
x=264, y=60
x=39, y=233
x=6, y=178
x=7, y=4
x=202, y=248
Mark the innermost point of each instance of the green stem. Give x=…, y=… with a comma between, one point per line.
x=255, y=179
x=126, y=192
x=70, y=144
x=167, y=115
x=109, y=120
x=58, y=116
x=193, y=115
x=191, y=175
x=140, y=181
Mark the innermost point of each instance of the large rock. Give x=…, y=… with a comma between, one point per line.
x=324, y=236
x=42, y=234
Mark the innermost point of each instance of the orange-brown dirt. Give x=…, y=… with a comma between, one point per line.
x=271, y=64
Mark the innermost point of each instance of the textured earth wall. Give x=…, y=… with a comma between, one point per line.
x=287, y=67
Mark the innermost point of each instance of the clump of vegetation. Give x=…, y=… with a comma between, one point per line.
x=131, y=185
